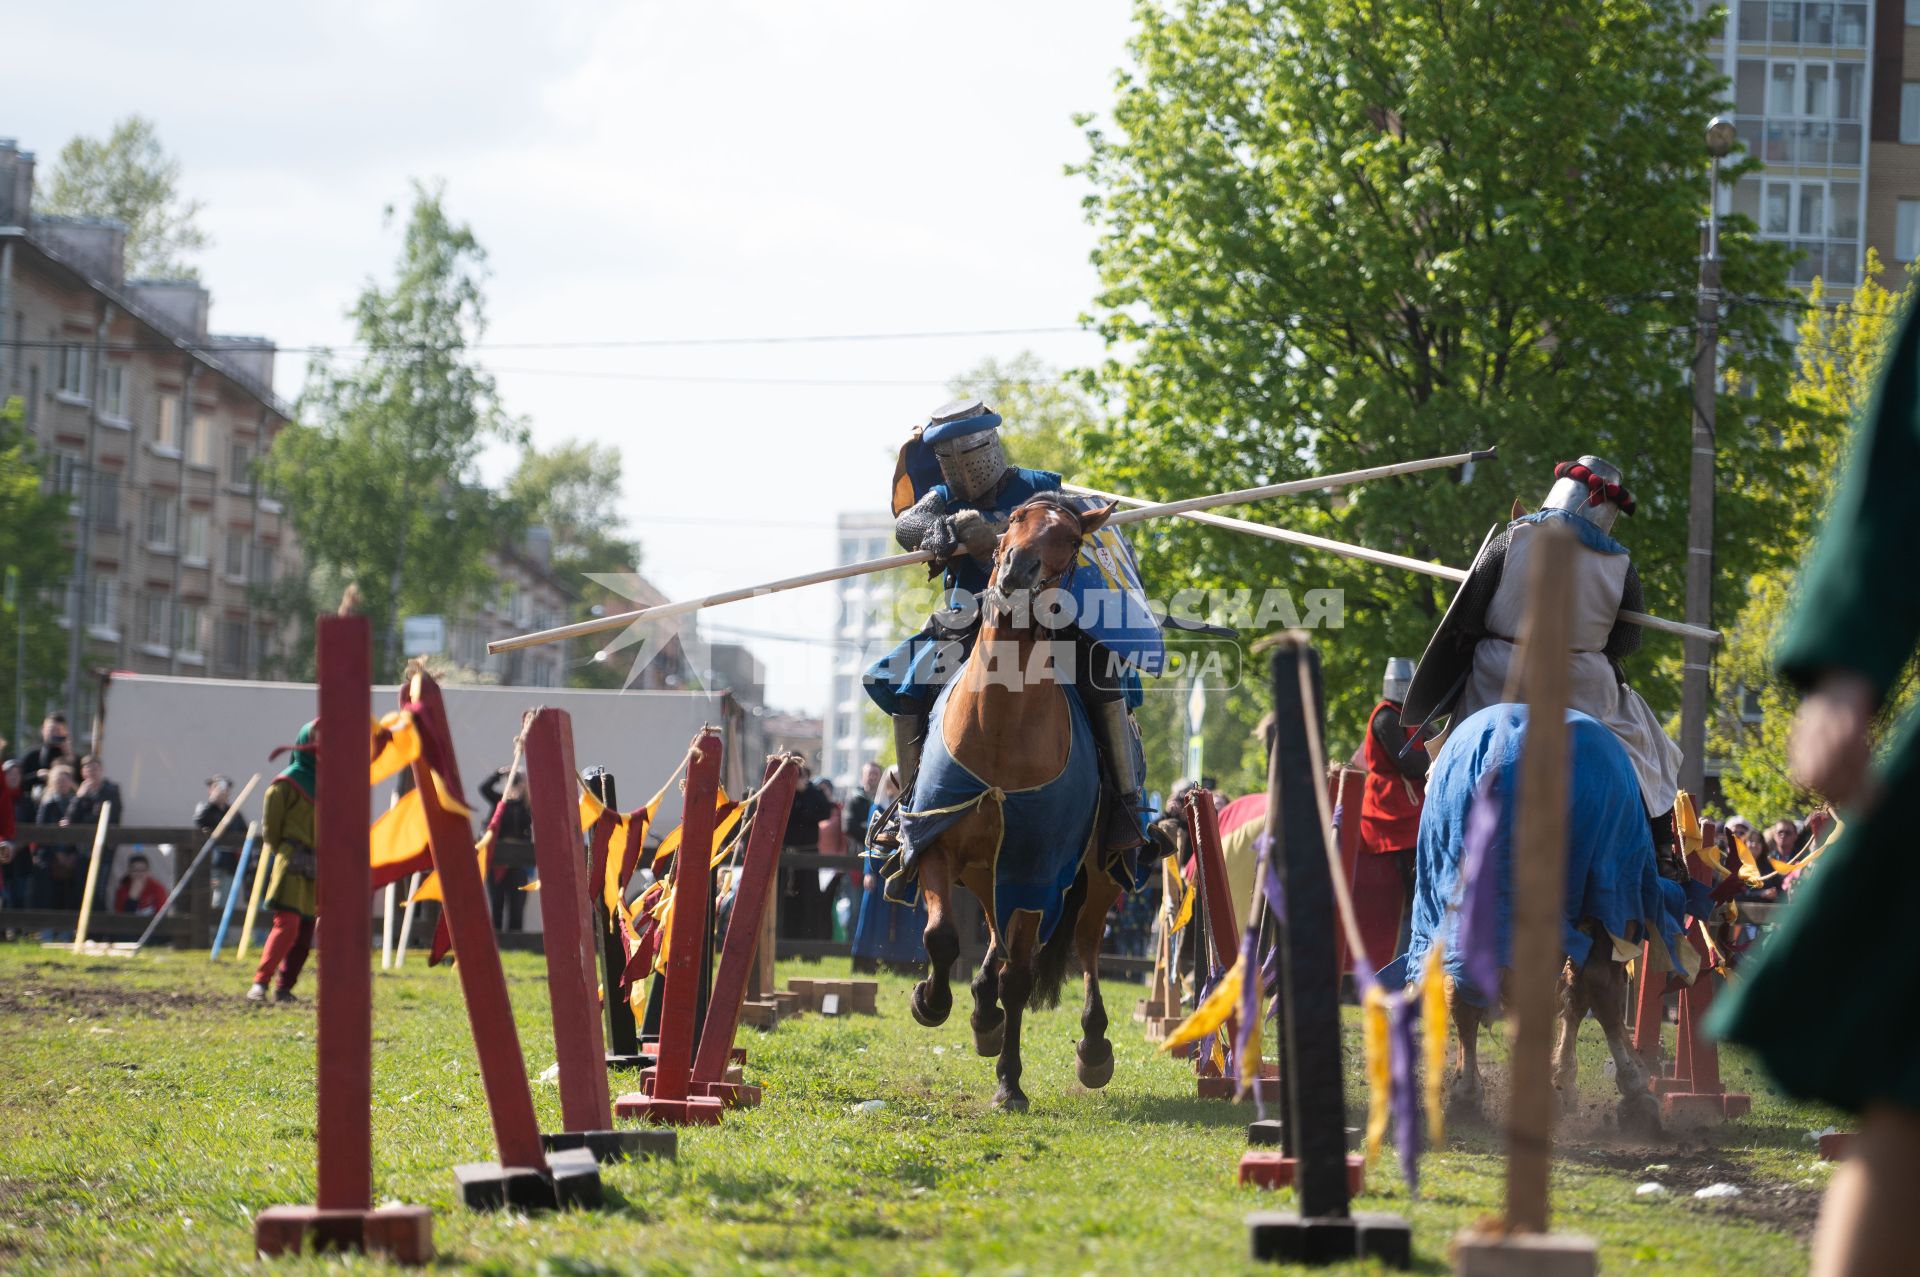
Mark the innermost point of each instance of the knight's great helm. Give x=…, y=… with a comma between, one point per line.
x=965, y=438
x=1590, y=488
x=1398, y=680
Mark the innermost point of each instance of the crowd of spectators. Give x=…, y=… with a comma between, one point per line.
x=49, y=785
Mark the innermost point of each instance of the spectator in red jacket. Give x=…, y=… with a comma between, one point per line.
x=138, y=892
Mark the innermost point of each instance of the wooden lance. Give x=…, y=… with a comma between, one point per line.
x=660, y=612
x=1384, y=558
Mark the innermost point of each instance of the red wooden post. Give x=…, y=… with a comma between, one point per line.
x=342, y=1218
x=558, y=848
x=1649, y=1010
x=750, y=897
x=669, y=1099
x=343, y=811
x=1203, y=825
x=503, y=1069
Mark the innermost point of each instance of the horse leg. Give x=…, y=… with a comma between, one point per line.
x=1575, y=996
x=932, y=999
x=1606, y=983
x=1093, y=1056
x=1016, y=985
x=989, y=1021
x=1466, y=1017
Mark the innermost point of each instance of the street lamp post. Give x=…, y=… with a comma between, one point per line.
x=1706, y=386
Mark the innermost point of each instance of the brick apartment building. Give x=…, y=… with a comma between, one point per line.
x=151, y=424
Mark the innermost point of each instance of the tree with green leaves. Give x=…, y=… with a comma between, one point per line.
x=33, y=523
x=574, y=491
x=1842, y=346
x=1335, y=233
x=379, y=478
x=129, y=176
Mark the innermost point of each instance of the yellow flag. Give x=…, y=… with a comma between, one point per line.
x=590, y=809
x=1211, y=1014
x=430, y=885
x=1185, y=913
x=1374, y=1034
x=1433, y=1014
x=401, y=832
x=399, y=749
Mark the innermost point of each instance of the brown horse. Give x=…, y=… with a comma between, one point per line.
x=1003, y=721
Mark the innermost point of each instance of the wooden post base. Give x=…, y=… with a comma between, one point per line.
x=1836, y=1146
x=1698, y=1108
x=1224, y=1088
x=1270, y=1168
x=1524, y=1255
x=636, y=1060
x=571, y=1178
x=614, y=1146
x=763, y=1015
x=1283, y=1237
x=695, y=1110
x=734, y=1094
x=789, y=1002
x=1266, y=1133
x=403, y=1234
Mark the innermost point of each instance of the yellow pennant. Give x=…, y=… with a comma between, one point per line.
x=591, y=809
x=1185, y=913
x=400, y=748
x=1687, y=821
x=400, y=834
x=1374, y=1032
x=1211, y=1014
x=1749, y=867
x=1433, y=1015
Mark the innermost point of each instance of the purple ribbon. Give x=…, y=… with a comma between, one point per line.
x=1403, y=1013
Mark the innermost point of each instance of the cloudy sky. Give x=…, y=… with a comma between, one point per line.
x=639, y=171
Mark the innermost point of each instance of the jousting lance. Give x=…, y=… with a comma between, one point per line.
x=660, y=612
x=1384, y=558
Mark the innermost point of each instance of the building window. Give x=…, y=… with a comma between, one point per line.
x=233, y=643
x=153, y=621
x=237, y=555
x=1910, y=113
x=240, y=464
x=1906, y=231
x=187, y=633
x=65, y=478
x=115, y=406
x=195, y=545
x=200, y=440
x=263, y=566
x=103, y=597
x=160, y=521
x=73, y=371
x=166, y=430
x=106, y=501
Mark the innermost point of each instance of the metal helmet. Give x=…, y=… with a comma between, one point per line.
x=1590, y=488
x=965, y=437
x=1398, y=680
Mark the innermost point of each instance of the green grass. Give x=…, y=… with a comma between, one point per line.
x=146, y=1112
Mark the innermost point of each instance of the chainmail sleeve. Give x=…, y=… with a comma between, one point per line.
x=1624, y=640
x=1476, y=592
x=1391, y=735
x=926, y=518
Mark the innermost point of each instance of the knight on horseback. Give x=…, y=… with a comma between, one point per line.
x=1465, y=666
x=960, y=518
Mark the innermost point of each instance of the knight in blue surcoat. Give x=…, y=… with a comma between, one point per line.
x=953, y=493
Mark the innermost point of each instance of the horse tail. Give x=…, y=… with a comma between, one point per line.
x=1050, y=968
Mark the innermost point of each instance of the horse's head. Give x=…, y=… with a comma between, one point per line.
x=1041, y=544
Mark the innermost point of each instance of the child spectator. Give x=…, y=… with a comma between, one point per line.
x=138, y=892
x=286, y=834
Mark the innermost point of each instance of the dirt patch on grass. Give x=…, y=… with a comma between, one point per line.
x=1787, y=1208
x=99, y=998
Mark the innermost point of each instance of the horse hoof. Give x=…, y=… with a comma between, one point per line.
x=1096, y=1072
x=1639, y=1115
x=988, y=1042
x=1010, y=1100
x=926, y=1011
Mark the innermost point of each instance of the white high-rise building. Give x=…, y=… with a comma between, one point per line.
x=852, y=730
